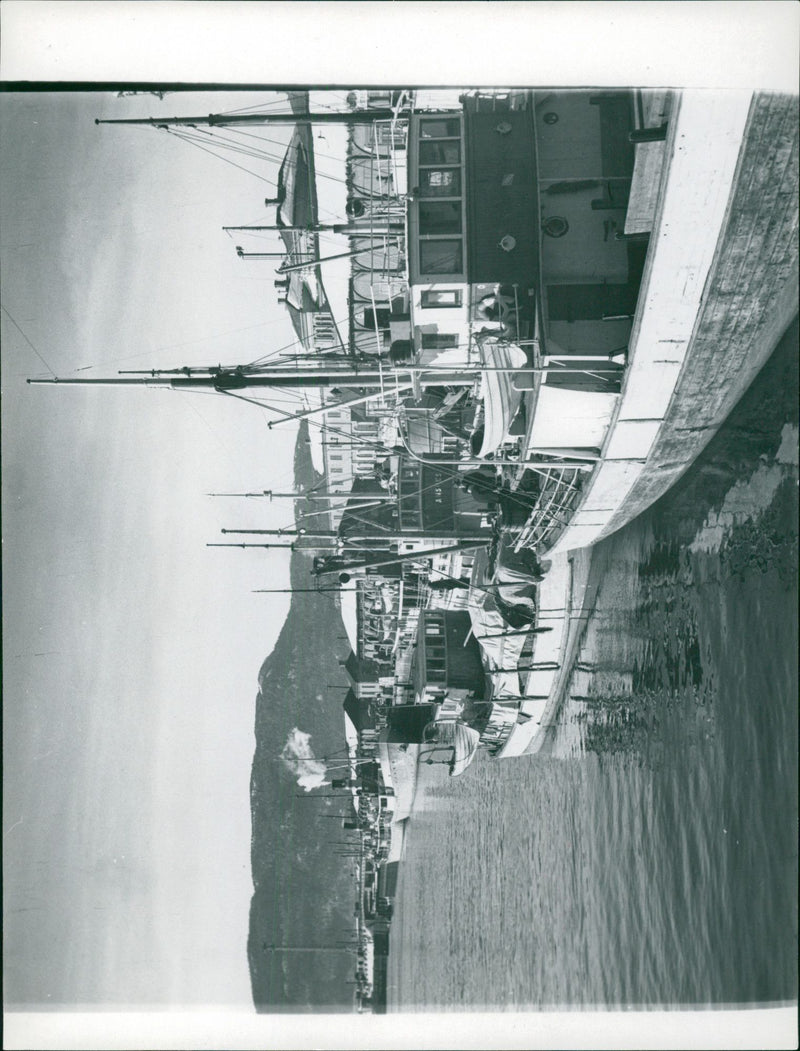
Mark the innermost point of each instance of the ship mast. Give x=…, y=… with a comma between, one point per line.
x=228, y=381
x=224, y=120
x=240, y=377
x=350, y=382
x=229, y=120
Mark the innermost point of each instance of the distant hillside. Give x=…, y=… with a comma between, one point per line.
x=304, y=892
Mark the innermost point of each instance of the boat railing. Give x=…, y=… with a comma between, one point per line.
x=501, y=722
x=559, y=488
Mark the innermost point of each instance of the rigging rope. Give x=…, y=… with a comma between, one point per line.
x=204, y=135
x=266, y=104
x=234, y=146
x=287, y=146
x=224, y=159
x=35, y=351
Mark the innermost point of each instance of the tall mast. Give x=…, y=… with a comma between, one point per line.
x=216, y=120
x=239, y=378
x=289, y=268
x=317, y=495
x=337, y=564
x=393, y=228
x=391, y=536
x=233, y=379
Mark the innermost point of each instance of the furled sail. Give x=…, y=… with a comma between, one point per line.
x=501, y=400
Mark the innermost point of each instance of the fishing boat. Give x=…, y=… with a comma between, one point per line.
x=548, y=316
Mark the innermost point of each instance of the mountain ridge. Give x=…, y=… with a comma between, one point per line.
x=303, y=890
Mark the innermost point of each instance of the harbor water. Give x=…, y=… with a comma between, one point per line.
x=648, y=856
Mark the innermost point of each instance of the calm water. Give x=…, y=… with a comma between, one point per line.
x=651, y=856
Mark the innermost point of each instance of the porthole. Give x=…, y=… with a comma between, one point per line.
x=555, y=226
x=550, y=118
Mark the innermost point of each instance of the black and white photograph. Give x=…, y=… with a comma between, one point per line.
x=400, y=546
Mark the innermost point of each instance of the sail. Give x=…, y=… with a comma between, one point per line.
x=571, y=418
x=299, y=206
x=501, y=400
x=490, y=626
x=450, y=741
x=459, y=737
x=500, y=649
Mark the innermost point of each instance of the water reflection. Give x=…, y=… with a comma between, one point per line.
x=645, y=663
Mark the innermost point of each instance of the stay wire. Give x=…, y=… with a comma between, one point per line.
x=225, y=160
x=229, y=144
x=288, y=146
x=35, y=351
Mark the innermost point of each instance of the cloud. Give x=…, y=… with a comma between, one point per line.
x=299, y=758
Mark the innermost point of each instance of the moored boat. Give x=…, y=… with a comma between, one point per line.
x=535, y=345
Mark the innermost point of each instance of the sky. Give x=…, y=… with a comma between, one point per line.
x=131, y=650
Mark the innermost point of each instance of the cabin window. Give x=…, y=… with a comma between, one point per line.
x=441, y=297
x=440, y=217
x=440, y=128
x=444, y=256
x=438, y=208
x=444, y=151
x=440, y=182
x=439, y=340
